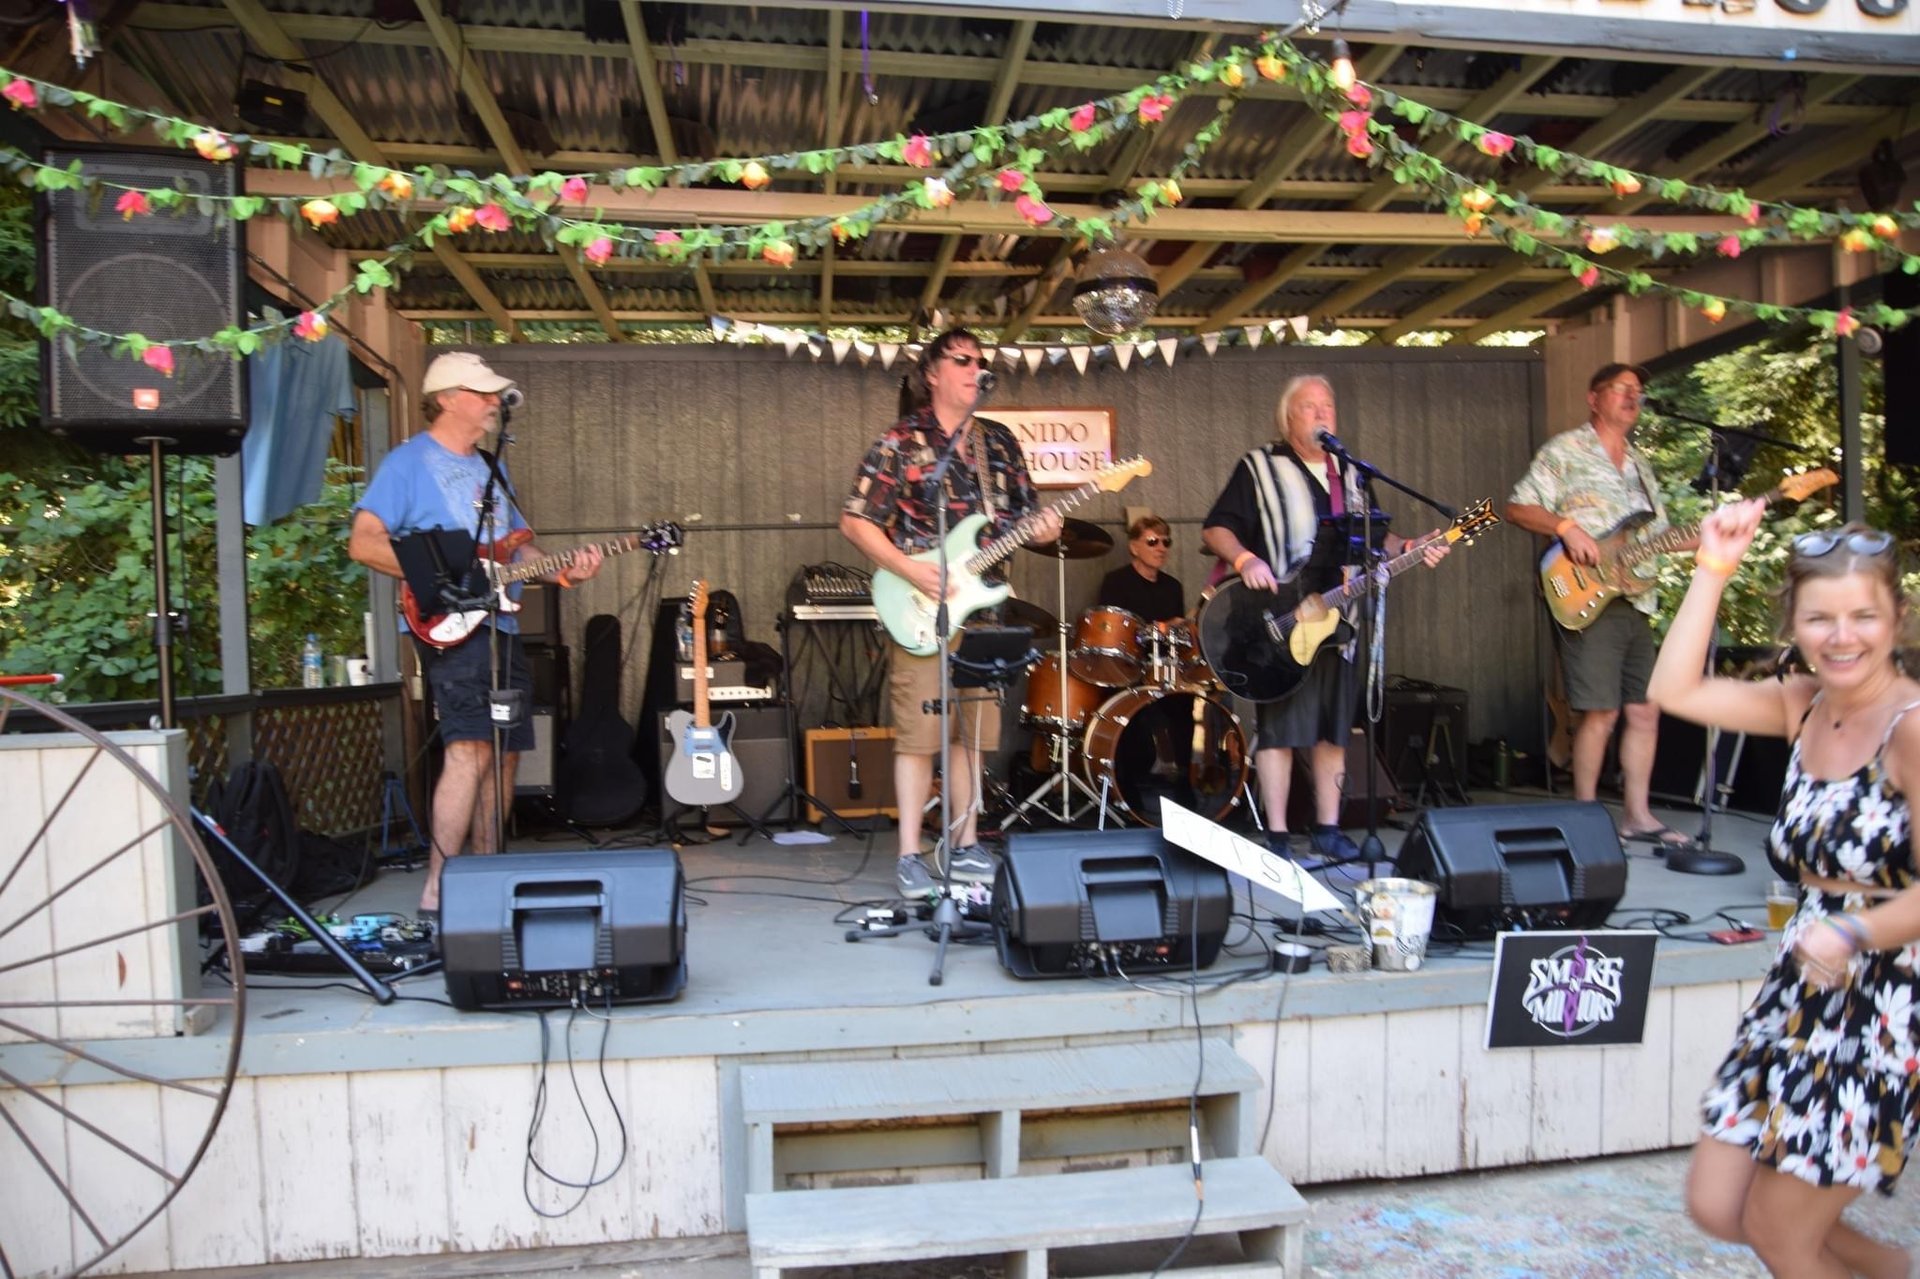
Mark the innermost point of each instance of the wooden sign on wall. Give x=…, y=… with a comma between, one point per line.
x=1062, y=446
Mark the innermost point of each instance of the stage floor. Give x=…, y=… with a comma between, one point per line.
x=771, y=971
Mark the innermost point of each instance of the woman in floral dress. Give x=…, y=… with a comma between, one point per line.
x=1816, y=1100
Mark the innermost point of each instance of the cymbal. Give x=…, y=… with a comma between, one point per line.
x=1079, y=540
x=1020, y=612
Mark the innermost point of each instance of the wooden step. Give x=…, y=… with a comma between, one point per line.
x=998, y=1088
x=1023, y=1217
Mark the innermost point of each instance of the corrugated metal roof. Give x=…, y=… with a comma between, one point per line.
x=743, y=80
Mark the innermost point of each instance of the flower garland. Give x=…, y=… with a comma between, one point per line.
x=997, y=162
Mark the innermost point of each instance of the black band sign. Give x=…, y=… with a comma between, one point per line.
x=1569, y=988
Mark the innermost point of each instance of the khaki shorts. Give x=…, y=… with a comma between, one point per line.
x=913, y=681
x=1609, y=664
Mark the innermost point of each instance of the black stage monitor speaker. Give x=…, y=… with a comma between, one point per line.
x=535, y=930
x=172, y=273
x=1900, y=358
x=1096, y=903
x=1553, y=865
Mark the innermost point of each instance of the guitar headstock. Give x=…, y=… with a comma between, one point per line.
x=1797, y=488
x=663, y=537
x=1120, y=474
x=1472, y=522
x=697, y=600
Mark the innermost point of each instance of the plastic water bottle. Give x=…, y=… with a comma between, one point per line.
x=311, y=666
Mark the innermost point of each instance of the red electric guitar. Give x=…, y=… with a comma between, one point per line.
x=445, y=630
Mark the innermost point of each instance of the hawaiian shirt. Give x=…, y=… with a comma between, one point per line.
x=890, y=489
x=1572, y=475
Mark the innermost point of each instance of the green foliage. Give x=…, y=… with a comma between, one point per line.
x=1786, y=386
x=76, y=579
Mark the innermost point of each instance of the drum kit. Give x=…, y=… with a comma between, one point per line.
x=1124, y=711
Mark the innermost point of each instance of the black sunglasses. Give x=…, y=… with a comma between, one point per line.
x=966, y=361
x=1151, y=540
x=1860, y=542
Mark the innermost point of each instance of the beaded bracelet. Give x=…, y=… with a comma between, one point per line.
x=1852, y=927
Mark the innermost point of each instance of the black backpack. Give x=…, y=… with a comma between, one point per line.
x=252, y=807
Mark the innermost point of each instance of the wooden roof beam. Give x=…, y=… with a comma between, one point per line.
x=264, y=30
x=1296, y=144
x=646, y=75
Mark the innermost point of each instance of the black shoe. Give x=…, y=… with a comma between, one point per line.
x=1331, y=845
x=1280, y=843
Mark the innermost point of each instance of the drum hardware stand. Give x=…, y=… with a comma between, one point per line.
x=1373, y=629
x=1063, y=778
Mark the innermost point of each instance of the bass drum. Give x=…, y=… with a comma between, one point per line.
x=1184, y=745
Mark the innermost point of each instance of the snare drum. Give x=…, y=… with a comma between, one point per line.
x=1185, y=745
x=1108, y=647
x=1189, y=665
x=1043, y=705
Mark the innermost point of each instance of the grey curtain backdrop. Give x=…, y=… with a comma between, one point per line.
x=754, y=451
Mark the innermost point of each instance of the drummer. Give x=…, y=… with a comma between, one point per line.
x=1143, y=586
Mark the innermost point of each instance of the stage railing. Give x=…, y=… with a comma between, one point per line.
x=331, y=745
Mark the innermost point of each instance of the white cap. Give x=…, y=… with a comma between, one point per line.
x=462, y=370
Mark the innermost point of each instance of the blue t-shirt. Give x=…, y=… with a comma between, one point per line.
x=423, y=485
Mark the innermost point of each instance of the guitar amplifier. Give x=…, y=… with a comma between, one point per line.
x=850, y=770
x=760, y=748
x=535, y=774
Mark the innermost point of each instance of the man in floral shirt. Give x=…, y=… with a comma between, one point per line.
x=891, y=517
x=1581, y=485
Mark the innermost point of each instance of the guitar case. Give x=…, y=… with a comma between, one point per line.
x=599, y=782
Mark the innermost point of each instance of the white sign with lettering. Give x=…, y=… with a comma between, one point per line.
x=1062, y=447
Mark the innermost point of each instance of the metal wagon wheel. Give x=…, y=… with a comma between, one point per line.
x=88, y=1165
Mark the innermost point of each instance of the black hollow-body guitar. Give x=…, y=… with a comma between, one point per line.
x=1261, y=643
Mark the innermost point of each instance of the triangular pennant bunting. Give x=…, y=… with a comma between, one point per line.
x=1254, y=333
x=865, y=351
x=1055, y=354
x=840, y=348
x=889, y=351
x=1299, y=323
x=1078, y=354
x=1123, y=356
x=1167, y=347
x=1034, y=355
x=1210, y=342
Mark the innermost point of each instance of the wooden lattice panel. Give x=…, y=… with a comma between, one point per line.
x=330, y=755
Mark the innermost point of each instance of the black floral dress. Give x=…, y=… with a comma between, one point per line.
x=1824, y=1084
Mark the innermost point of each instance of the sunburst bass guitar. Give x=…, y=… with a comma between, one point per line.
x=1261, y=643
x=908, y=614
x=1578, y=593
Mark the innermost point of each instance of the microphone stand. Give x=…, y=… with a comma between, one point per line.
x=1732, y=463
x=498, y=763
x=947, y=924
x=1372, y=628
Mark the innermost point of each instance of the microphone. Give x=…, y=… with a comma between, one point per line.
x=1329, y=441
x=985, y=380
x=512, y=398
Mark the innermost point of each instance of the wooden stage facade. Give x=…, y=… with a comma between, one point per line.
x=360, y=1130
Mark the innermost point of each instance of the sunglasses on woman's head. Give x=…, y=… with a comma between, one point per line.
x=1860, y=542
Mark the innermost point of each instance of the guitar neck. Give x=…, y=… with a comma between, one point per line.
x=549, y=564
x=1674, y=538
x=700, y=668
x=1347, y=591
x=992, y=552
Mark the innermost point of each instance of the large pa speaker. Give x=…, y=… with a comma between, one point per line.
x=533, y=930
x=172, y=273
x=1900, y=358
x=1554, y=865
x=1096, y=903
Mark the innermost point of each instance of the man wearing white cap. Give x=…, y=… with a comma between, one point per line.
x=440, y=479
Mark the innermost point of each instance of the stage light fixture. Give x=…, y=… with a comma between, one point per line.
x=1882, y=177
x=1114, y=292
x=1343, y=76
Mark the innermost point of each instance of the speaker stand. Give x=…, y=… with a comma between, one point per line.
x=162, y=591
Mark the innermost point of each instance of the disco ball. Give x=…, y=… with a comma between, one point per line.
x=1114, y=292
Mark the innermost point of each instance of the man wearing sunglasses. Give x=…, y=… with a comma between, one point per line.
x=890, y=516
x=1142, y=586
x=1581, y=484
